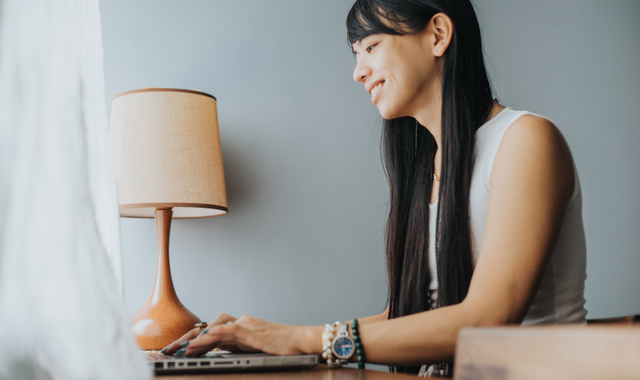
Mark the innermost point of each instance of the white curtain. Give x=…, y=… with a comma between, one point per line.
x=61, y=310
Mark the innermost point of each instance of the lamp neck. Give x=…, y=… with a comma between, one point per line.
x=163, y=286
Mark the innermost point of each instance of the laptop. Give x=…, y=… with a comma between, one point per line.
x=225, y=361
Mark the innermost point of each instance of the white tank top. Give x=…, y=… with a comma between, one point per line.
x=560, y=297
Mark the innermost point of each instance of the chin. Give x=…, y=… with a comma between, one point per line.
x=387, y=111
x=386, y=114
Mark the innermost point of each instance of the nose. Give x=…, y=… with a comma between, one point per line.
x=361, y=72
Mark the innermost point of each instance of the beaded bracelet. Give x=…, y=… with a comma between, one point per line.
x=356, y=339
x=327, y=338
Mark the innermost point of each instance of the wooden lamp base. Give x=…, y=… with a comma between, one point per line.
x=163, y=319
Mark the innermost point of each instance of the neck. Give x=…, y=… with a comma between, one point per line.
x=430, y=117
x=429, y=113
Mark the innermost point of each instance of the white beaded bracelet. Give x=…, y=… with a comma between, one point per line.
x=327, y=338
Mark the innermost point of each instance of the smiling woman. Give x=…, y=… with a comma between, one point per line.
x=441, y=83
x=476, y=235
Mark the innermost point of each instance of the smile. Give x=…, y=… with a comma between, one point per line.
x=375, y=89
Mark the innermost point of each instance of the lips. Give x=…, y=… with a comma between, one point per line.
x=374, y=86
x=374, y=90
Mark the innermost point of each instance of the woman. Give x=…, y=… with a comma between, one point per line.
x=485, y=224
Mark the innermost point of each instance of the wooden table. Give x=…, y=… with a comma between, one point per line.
x=320, y=372
x=562, y=352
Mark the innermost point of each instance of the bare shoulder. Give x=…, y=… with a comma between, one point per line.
x=537, y=130
x=533, y=145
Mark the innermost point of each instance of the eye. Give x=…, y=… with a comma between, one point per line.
x=370, y=47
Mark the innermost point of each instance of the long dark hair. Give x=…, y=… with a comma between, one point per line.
x=409, y=150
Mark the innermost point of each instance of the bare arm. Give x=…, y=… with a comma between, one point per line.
x=375, y=318
x=531, y=183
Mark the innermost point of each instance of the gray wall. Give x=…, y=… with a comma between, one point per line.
x=303, y=240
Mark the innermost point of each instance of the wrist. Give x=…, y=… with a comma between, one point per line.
x=310, y=340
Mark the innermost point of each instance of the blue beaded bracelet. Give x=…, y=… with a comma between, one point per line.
x=356, y=340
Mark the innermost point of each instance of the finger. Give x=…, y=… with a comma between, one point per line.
x=222, y=335
x=221, y=319
x=179, y=343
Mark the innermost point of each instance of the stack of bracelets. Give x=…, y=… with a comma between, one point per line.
x=338, y=347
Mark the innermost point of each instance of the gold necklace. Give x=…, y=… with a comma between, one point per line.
x=436, y=177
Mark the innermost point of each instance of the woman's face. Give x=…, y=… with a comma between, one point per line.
x=400, y=72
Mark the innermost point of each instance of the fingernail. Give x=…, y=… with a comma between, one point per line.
x=181, y=351
x=184, y=344
x=164, y=349
x=204, y=331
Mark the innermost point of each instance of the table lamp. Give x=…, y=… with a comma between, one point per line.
x=167, y=163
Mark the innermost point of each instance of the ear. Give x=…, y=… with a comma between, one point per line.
x=442, y=28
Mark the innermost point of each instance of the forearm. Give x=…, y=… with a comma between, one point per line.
x=411, y=340
x=415, y=339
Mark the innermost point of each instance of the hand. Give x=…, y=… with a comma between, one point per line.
x=193, y=333
x=247, y=333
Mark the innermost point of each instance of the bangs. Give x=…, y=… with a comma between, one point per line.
x=368, y=17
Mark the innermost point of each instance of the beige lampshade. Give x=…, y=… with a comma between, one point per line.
x=166, y=153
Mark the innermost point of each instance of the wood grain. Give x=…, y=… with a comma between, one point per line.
x=321, y=372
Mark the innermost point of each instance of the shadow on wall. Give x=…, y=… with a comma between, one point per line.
x=240, y=180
